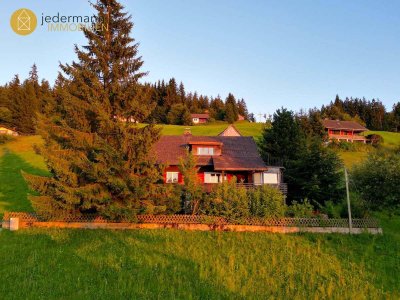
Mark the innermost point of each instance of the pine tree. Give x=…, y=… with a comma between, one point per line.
x=23, y=101
x=217, y=109
x=182, y=93
x=5, y=112
x=242, y=109
x=99, y=164
x=284, y=140
x=231, y=110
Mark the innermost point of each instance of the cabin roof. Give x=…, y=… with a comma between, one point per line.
x=238, y=152
x=349, y=125
x=200, y=116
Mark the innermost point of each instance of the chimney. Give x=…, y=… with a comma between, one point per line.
x=187, y=131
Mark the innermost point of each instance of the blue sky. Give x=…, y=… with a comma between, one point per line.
x=296, y=54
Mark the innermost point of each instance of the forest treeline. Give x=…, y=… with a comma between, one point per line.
x=21, y=101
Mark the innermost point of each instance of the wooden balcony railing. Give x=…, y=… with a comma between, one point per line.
x=283, y=187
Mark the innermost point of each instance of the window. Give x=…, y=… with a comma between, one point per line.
x=195, y=120
x=205, y=151
x=172, y=177
x=213, y=177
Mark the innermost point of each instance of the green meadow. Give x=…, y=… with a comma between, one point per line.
x=390, y=140
x=245, y=128
x=171, y=264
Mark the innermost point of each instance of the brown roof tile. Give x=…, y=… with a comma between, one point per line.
x=200, y=116
x=350, y=125
x=238, y=153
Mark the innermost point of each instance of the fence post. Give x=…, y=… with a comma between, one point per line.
x=14, y=224
x=348, y=201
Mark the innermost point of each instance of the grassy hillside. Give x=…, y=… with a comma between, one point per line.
x=390, y=140
x=169, y=264
x=245, y=128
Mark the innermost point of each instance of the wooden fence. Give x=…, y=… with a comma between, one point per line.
x=197, y=222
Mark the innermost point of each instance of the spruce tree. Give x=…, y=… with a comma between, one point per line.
x=23, y=105
x=242, y=109
x=231, y=109
x=285, y=139
x=98, y=163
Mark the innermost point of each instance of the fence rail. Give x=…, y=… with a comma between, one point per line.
x=30, y=218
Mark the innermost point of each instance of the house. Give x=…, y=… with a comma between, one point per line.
x=347, y=131
x=219, y=158
x=126, y=119
x=241, y=118
x=6, y=131
x=200, y=118
x=230, y=131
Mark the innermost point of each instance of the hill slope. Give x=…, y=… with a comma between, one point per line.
x=245, y=128
x=169, y=264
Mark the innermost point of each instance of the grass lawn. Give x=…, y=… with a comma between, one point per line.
x=171, y=264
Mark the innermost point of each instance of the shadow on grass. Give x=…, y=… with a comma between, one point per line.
x=13, y=188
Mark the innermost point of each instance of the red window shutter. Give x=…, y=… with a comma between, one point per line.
x=165, y=177
x=180, y=177
x=201, y=177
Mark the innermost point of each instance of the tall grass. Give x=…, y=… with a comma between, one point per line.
x=170, y=264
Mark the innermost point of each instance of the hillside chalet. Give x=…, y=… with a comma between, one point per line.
x=347, y=131
x=219, y=158
x=200, y=118
x=7, y=131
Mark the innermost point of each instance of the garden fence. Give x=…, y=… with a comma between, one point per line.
x=29, y=218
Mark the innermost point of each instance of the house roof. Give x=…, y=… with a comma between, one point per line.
x=350, y=125
x=200, y=116
x=230, y=131
x=238, y=153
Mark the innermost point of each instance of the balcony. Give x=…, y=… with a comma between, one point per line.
x=349, y=138
x=283, y=187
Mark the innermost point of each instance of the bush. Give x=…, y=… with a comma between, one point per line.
x=5, y=138
x=300, y=210
x=236, y=204
x=359, y=209
x=375, y=139
x=348, y=147
x=168, y=200
x=378, y=179
x=228, y=201
x=266, y=202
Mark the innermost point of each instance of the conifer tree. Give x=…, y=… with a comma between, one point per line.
x=242, y=109
x=231, y=110
x=98, y=163
x=23, y=105
x=5, y=112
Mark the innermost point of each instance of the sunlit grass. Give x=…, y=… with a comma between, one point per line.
x=173, y=264
x=245, y=128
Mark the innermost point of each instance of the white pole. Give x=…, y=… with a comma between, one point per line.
x=348, y=201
